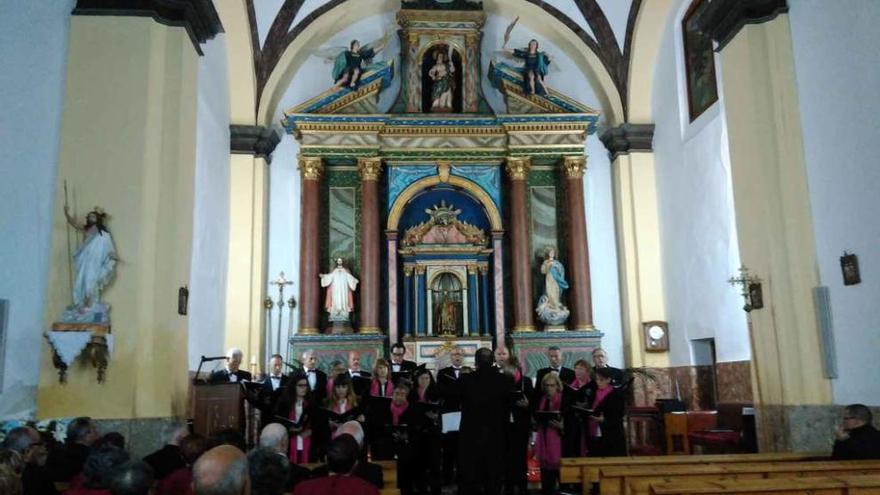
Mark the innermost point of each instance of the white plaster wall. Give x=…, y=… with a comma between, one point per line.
x=603, y=251
x=697, y=223
x=313, y=78
x=33, y=46
x=837, y=66
x=207, y=303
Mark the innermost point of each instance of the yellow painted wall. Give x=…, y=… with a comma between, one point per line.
x=245, y=280
x=773, y=216
x=128, y=145
x=638, y=252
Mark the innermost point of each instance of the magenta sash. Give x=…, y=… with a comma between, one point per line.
x=548, y=443
x=374, y=388
x=296, y=457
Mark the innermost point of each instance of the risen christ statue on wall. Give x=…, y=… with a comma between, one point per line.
x=340, y=284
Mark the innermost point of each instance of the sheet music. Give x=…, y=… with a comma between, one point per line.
x=451, y=421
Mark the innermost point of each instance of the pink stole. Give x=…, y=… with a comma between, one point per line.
x=601, y=393
x=548, y=444
x=577, y=384
x=421, y=393
x=374, y=388
x=397, y=412
x=296, y=457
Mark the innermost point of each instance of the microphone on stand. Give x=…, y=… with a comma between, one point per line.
x=215, y=358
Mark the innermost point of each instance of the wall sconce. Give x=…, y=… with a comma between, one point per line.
x=849, y=265
x=751, y=289
x=182, y=300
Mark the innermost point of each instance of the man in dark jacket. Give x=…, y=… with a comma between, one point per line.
x=400, y=367
x=317, y=378
x=27, y=442
x=857, y=439
x=231, y=373
x=485, y=410
x=169, y=458
x=449, y=381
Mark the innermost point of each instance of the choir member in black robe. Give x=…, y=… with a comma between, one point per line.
x=519, y=429
x=579, y=398
x=426, y=398
x=448, y=384
x=606, y=423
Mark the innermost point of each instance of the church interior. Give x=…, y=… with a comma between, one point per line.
x=686, y=185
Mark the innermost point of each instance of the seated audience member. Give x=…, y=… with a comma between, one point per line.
x=367, y=471
x=607, y=437
x=231, y=373
x=113, y=438
x=99, y=468
x=25, y=442
x=548, y=440
x=13, y=460
x=179, y=481
x=274, y=437
x=169, y=458
x=227, y=436
x=856, y=437
x=342, y=457
x=222, y=470
x=66, y=461
x=10, y=484
x=269, y=470
x=132, y=478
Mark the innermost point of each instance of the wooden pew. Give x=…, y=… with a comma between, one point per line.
x=389, y=491
x=637, y=480
x=586, y=469
x=827, y=485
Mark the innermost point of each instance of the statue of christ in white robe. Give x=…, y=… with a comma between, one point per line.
x=340, y=284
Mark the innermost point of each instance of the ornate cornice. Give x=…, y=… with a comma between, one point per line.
x=311, y=167
x=723, y=19
x=518, y=167
x=370, y=168
x=198, y=17
x=625, y=138
x=574, y=166
x=253, y=140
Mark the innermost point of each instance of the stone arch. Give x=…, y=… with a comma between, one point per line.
x=531, y=15
x=468, y=186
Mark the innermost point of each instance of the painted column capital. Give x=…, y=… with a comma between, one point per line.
x=420, y=269
x=254, y=140
x=407, y=270
x=472, y=269
x=483, y=268
x=518, y=167
x=574, y=166
x=626, y=138
x=311, y=167
x=370, y=168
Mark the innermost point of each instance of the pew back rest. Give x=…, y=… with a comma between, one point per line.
x=824, y=485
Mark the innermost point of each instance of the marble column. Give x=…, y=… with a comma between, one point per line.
x=391, y=244
x=484, y=299
x=579, y=295
x=473, y=301
x=498, y=292
x=310, y=168
x=523, y=319
x=370, y=169
x=407, y=300
x=421, y=302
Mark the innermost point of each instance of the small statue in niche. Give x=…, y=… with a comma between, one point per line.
x=339, y=298
x=443, y=81
x=350, y=63
x=93, y=266
x=550, y=308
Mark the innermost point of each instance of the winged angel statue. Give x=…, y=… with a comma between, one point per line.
x=350, y=63
x=536, y=63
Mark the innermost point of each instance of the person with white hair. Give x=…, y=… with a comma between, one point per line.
x=274, y=437
x=231, y=373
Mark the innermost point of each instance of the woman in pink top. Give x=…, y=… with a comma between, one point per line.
x=548, y=441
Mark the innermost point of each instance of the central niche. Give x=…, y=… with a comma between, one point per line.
x=446, y=292
x=441, y=79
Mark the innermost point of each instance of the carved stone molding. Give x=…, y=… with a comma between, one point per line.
x=198, y=17
x=625, y=138
x=574, y=166
x=518, y=167
x=253, y=140
x=311, y=167
x=723, y=19
x=370, y=168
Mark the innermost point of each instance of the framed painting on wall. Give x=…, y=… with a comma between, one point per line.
x=702, y=87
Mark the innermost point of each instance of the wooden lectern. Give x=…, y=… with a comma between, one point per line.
x=216, y=407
